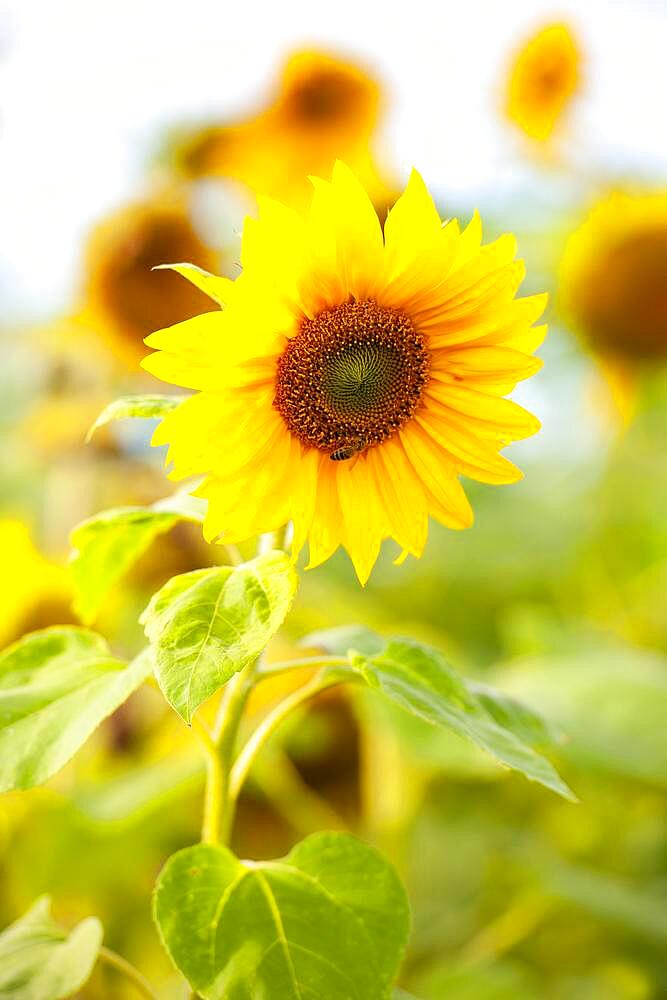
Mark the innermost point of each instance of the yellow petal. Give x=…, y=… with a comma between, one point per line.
x=363, y=524
x=412, y=227
x=343, y=208
x=472, y=456
x=217, y=288
x=449, y=503
x=402, y=495
x=484, y=366
x=325, y=534
x=487, y=413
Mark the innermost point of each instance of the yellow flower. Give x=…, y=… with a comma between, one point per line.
x=543, y=79
x=324, y=109
x=614, y=277
x=34, y=592
x=123, y=297
x=350, y=378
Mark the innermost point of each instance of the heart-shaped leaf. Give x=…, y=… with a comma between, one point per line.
x=328, y=922
x=56, y=686
x=207, y=625
x=41, y=961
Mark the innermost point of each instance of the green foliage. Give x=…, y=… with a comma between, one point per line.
x=480, y=981
x=419, y=679
x=56, y=686
x=606, y=897
x=40, y=961
x=148, y=406
x=330, y=921
x=106, y=545
x=136, y=793
x=338, y=641
x=613, y=706
x=207, y=625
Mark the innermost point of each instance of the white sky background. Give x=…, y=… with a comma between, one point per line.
x=86, y=86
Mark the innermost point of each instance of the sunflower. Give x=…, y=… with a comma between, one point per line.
x=122, y=296
x=543, y=79
x=324, y=108
x=352, y=376
x=614, y=277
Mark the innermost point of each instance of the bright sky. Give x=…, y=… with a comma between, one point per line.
x=85, y=88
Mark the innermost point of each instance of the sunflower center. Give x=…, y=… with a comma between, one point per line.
x=322, y=98
x=351, y=377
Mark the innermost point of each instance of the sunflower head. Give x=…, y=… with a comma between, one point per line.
x=322, y=108
x=318, y=92
x=123, y=297
x=353, y=375
x=614, y=277
x=544, y=77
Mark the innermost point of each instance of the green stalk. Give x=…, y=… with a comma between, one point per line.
x=219, y=744
x=273, y=720
x=224, y=776
x=122, y=966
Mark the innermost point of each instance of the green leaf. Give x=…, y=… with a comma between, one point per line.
x=107, y=544
x=328, y=922
x=209, y=624
x=146, y=406
x=338, y=641
x=511, y=714
x=420, y=680
x=56, y=686
x=40, y=961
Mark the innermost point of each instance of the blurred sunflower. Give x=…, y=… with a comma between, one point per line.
x=351, y=379
x=122, y=295
x=544, y=77
x=34, y=592
x=324, y=109
x=613, y=290
x=614, y=277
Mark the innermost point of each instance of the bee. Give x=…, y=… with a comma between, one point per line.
x=348, y=450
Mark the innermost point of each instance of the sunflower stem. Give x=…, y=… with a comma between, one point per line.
x=273, y=720
x=125, y=968
x=270, y=670
x=218, y=745
x=219, y=742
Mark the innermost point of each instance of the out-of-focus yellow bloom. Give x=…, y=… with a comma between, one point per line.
x=614, y=290
x=59, y=424
x=34, y=592
x=544, y=77
x=353, y=375
x=614, y=277
x=324, y=109
x=122, y=296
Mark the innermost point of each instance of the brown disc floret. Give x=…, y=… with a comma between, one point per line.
x=351, y=377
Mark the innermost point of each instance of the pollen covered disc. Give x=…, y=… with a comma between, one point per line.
x=351, y=377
